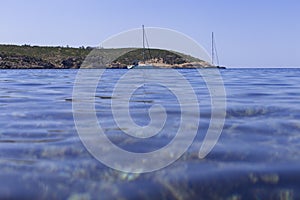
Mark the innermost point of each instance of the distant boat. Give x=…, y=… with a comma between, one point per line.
x=136, y=64
x=214, y=53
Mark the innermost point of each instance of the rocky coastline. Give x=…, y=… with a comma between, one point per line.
x=37, y=57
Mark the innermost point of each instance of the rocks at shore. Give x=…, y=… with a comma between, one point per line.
x=25, y=62
x=159, y=58
x=35, y=57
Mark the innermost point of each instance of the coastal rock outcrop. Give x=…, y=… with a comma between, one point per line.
x=24, y=62
x=35, y=57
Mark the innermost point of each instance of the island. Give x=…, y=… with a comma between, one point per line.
x=45, y=57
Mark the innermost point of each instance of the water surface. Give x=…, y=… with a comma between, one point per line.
x=256, y=157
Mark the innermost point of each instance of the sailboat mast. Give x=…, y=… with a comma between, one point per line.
x=143, y=43
x=212, y=48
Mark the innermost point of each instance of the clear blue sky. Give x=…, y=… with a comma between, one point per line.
x=253, y=33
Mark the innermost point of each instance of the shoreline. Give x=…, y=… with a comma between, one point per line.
x=40, y=57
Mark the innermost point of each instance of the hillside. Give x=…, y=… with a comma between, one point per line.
x=24, y=57
x=38, y=57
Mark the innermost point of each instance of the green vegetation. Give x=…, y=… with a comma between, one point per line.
x=13, y=56
x=43, y=52
x=154, y=56
x=26, y=56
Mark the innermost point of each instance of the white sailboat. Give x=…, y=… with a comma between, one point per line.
x=214, y=53
x=143, y=64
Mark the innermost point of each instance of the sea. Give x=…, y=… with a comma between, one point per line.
x=256, y=156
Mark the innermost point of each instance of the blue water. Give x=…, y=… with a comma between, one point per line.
x=256, y=157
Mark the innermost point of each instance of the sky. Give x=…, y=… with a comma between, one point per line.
x=252, y=33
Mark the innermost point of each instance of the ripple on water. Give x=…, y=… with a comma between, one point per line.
x=256, y=157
